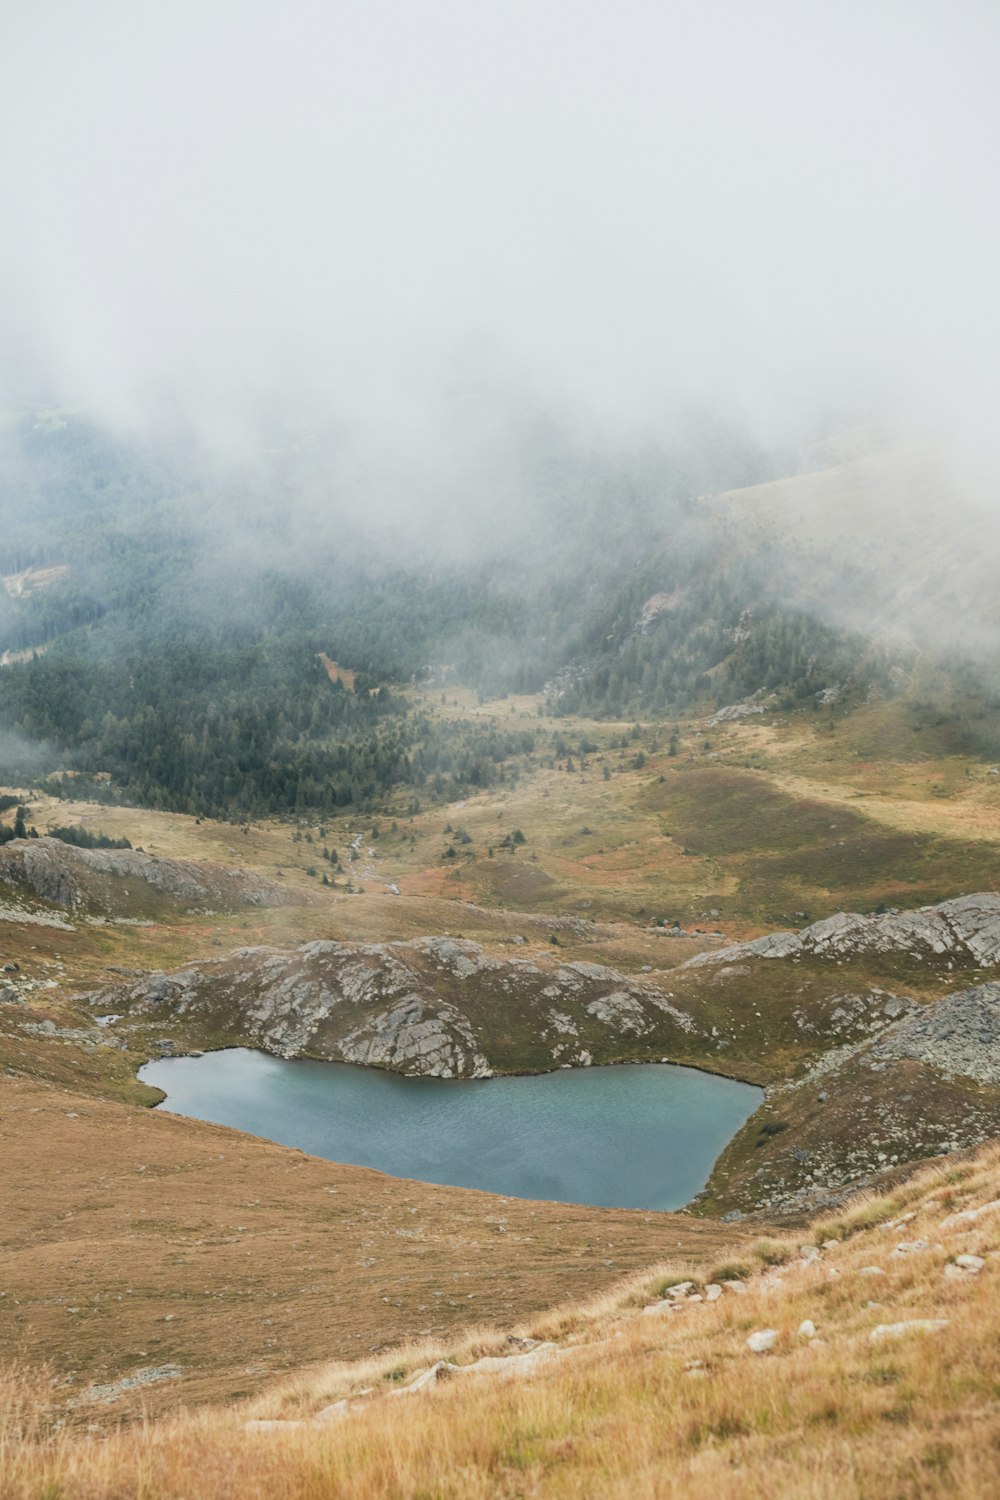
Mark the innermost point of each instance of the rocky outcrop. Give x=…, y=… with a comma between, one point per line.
x=960, y=1034
x=967, y=928
x=733, y=711
x=437, y=1007
x=406, y=1040
x=98, y=879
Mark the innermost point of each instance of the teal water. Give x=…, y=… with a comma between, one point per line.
x=642, y=1136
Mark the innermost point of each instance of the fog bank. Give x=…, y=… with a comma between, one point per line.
x=396, y=216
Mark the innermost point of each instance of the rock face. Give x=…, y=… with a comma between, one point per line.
x=967, y=927
x=97, y=879
x=960, y=1034
x=406, y=1040
x=437, y=1007
x=737, y=711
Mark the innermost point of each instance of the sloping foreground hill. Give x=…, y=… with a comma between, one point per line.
x=855, y=1360
x=149, y=1259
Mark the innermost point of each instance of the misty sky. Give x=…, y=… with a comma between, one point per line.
x=368, y=206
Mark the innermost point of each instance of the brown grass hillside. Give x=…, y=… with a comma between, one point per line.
x=879, y=1376
x=131, y=1240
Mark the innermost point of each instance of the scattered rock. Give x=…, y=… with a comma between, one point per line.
x=75, y=878
x=911, y=1325
x=734, y=711
x=399, y=1005
x=967, y=1216
x=425, y=1378
x=763, y=1340
x=960, y=1034
x=151, y=1375
x=967, y=927
x=334, y=1411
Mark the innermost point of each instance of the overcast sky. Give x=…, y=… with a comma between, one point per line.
x=364, y=205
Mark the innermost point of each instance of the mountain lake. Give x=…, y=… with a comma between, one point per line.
x=642, y=1135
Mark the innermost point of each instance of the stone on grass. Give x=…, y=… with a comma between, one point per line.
x=507, y=1365
x=969, y=1215
x=807, y=1329
x=763, y=1340
x=713, y=1292
x=335, y=1410
x=911, y=1325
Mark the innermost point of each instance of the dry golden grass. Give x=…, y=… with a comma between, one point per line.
x=973, y=813
x=661, y=1405
x=923, y=790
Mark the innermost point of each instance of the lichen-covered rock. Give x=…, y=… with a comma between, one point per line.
x=960, y=1034
x=967, y=927
x=407, y=1040
x=437, y=1007
x=619, y=1009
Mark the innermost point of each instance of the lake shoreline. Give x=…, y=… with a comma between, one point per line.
x=635, y=1136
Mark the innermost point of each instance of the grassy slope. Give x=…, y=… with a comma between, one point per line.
x=671, y=1404
x=130, y=1239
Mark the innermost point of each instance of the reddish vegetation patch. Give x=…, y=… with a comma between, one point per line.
x=443, y=882
x=337, y=673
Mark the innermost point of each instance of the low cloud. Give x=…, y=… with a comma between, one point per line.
x=373, y=214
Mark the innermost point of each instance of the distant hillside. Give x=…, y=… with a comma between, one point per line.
x=180, y=651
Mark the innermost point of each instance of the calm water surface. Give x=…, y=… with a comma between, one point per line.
x=644, y=1136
